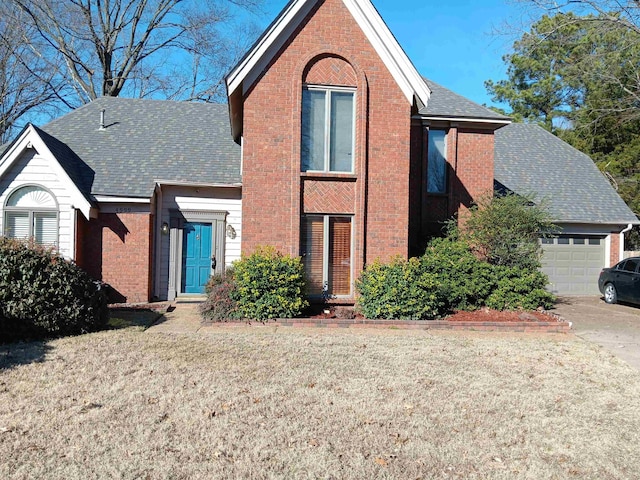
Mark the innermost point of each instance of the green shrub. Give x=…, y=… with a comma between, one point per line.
x=447, y=277
x=269, y=285
x=219, y=305
x=402, y=289
x=505, y=230
x=465, y=282
x=520, y=289
x=42, y=294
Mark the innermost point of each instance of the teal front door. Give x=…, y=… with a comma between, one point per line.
x=196, y=257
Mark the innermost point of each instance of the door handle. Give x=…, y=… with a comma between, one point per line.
x=214, y=262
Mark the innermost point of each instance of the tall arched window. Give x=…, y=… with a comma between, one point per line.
x=32, y=211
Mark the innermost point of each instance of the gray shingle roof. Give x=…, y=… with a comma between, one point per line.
x=445, y=103
x=144, y=141
x=530, y=160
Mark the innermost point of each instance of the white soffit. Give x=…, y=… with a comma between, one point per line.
x=369, y=20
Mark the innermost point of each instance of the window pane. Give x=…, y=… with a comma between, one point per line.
x=46, y=228
x=16, y=225
x=437, y=162
x=312, y=246
x=578, y=241
x=313, y=130
x=339, y=256
x=546, y=241
x=594, y=241
x=341, y=132
x=631, y=265
x=563, y=241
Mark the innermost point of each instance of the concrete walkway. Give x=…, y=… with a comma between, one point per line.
x=182, y=317
x=616, y=328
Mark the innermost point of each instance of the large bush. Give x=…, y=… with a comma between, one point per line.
x=268, y=285
x=402, y=289
x=464, y=281
x=520, y=289
x=505, y=230
x=447, y=277
x=42, y=294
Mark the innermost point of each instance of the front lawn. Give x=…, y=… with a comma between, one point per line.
x=267, y=402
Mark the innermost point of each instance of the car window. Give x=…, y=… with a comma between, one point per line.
x=631, y=265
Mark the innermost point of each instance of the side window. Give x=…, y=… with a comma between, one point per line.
x=630, y=265
x=327, y=130
x=437, y=161
x=32, y=212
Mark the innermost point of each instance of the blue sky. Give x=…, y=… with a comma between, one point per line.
x=450, y=41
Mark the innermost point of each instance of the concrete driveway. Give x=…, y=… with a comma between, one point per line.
x=614, y=327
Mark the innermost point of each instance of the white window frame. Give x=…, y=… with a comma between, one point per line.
x=32, y=212
x=327, y=127
x=326, y=249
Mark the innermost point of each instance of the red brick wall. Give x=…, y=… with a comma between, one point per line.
x=615, y=248
x=328, y=48
x=469, y=175
x=116, y=248
x=474, y=169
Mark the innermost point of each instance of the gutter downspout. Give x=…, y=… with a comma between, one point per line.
x=629, y=227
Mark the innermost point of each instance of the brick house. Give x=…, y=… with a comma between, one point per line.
x=339, y=151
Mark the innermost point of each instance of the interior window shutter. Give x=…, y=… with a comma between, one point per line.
x=312, y=252
x=16, y=225
x=46, y=228
x=340, y=255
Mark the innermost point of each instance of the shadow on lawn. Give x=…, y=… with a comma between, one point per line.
x=14, y=354
x=123, y=318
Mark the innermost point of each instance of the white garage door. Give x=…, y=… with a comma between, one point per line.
x=573, y=263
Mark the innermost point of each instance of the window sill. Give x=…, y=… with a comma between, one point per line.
x=329, y=175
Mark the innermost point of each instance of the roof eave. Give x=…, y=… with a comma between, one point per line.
x=30, y=138
x=486, y=122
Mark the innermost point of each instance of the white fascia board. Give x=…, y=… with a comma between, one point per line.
x=465, y=120
x=369, y=20
x=197, y=184
x=389, y=50
x=115, y=199
x=30, y=138
x=268, y=44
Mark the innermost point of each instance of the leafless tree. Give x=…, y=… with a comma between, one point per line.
x=27, y=84
x=138, y=48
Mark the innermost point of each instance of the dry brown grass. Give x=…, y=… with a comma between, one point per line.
x=260, y=402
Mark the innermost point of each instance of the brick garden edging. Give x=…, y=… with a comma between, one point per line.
x=557, y=326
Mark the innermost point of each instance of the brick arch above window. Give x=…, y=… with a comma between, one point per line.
x=330, y=70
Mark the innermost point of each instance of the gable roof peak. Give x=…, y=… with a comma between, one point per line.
x=248, y=69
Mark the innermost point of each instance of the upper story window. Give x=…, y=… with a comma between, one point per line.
x=437, y=161
x=32, y=212
x=327, y=129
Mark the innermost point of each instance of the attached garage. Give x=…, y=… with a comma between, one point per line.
x=588, y=212
x=573, y=263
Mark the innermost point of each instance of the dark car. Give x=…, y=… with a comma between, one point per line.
x=621, y=282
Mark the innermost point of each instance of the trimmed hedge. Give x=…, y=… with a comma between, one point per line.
x=269, y=285
x=42, y=294
x=447, y=277
x=399, y=290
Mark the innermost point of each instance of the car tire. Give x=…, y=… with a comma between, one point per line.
x=610, y=293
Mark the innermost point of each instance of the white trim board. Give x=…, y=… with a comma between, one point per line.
x=29, y=138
